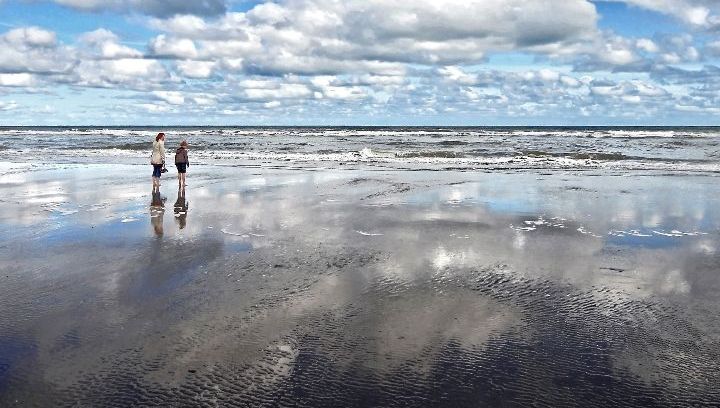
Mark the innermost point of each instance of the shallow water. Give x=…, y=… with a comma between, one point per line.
x=268, y=287
x=676, y=149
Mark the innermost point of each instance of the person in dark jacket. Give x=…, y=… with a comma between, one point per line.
x=182, y=162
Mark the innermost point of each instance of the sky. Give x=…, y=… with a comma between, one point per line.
x=359, y=62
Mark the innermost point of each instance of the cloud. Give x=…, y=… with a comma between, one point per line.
x=379, y=58
x=33, y=50
x=697, y=13
x=712, y=48
x=619, y=54
x=106, y=44
x=171, y=97
x=22, y=79
x=154, y=108
x=329, y=37
x=31, y=37
x=181, y=48
x=457, y=75
x=8, y=106
x=707, y=76
x=633, y=90
x=158, y=8
x=344, y=92
x=128, y=73
x=196, y=69
x=279, y=91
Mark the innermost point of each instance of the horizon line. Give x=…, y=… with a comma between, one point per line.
x=358, y=126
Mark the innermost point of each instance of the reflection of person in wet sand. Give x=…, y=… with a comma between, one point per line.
x=157, y=211
x=181, y=208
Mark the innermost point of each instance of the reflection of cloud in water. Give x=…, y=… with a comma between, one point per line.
x=447, y=296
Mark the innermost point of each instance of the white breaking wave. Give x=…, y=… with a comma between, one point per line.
x=629, y=149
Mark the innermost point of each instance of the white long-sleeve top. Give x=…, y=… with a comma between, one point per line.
x=158, y=153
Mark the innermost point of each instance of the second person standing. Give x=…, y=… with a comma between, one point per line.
x=182, y=162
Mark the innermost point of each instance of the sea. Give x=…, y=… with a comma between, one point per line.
x=654, y=149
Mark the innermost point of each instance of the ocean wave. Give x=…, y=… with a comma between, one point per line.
x=431, y=154
x=686, y=149
x=580, y=155
x=453, y=143
x=420, y=160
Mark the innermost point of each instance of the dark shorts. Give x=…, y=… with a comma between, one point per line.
x=157, y=170
x=181, y=167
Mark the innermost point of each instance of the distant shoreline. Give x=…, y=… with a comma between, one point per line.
x=374, y=127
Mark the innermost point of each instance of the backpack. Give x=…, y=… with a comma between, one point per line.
x=180, y=155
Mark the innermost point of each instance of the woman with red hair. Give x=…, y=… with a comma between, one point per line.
x=157, y=159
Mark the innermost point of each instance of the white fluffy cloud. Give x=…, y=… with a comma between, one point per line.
x=196, y=69
x=30, y=37
x=378, y=57
x=22, y=79
x=124, y=73
x=181, y=48
x=278, y=91
x=106, y=45
x=324, y=36
x=33, y=49
x=616, y=53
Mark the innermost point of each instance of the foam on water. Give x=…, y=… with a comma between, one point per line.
x=368, y=234
x=624, y=149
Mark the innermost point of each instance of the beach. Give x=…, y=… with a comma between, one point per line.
x=318, y=282
x=335, y=282
x=389, y=204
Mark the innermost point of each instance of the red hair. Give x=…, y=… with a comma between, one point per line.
x=159, y=136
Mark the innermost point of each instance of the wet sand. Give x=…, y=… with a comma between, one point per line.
x=279, y=287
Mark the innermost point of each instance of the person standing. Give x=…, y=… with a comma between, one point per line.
x=182, y=162
x=157, y=159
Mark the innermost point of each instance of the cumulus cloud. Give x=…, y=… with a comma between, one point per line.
x=278, y=91
x=619, y=54
x=698, y=13
x=126, y=73
x=106, y=44
x=196, y=69
x=330, y=37
x=31, y=37
x=181, y=48
x=631, y=90
x=33, y=49
x=379, y=58
x=22, y=79
x=159, y=8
